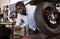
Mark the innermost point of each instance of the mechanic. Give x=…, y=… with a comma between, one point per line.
x=34, y=32
x=21, y=16
x=29, y=10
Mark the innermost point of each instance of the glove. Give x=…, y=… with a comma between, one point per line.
x=24, y=25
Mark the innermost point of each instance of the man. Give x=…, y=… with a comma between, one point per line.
x=21, y=18
x=29, y=10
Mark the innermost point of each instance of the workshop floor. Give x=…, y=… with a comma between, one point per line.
x=41, y=36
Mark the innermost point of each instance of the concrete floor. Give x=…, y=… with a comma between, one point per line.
x=39, y=36
x=56, y=37
x=42, y=36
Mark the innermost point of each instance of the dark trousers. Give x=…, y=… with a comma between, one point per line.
x=36, y=34
x=33, y=32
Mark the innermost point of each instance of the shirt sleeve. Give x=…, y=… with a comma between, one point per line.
x=18, y=20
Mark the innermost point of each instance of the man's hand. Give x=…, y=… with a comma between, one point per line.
x=17, y=28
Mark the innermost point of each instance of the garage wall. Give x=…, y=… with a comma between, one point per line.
x=4, y=2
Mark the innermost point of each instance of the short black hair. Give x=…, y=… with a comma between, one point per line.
x=20, y=3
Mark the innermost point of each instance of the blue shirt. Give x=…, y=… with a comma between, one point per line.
x=30, y=10
x=19, y=17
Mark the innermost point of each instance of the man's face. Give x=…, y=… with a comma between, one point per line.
x=20, y=9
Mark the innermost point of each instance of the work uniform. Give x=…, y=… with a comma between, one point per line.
x=30, y=9
x=21, y=17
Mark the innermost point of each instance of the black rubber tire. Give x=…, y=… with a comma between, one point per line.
x=40, y=22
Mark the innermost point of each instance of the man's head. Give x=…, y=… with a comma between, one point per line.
x=20, y=7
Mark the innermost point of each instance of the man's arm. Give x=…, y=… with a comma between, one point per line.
x=18, y=21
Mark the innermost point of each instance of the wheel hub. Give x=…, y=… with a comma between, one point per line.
x=50, y=17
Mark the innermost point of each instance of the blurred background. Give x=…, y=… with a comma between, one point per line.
x=8, y=15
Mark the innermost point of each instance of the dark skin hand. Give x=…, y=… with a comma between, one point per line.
x=18, y=28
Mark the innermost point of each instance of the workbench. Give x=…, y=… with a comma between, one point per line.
x=7, y=23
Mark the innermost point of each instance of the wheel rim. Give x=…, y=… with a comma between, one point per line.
x=50, y=17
